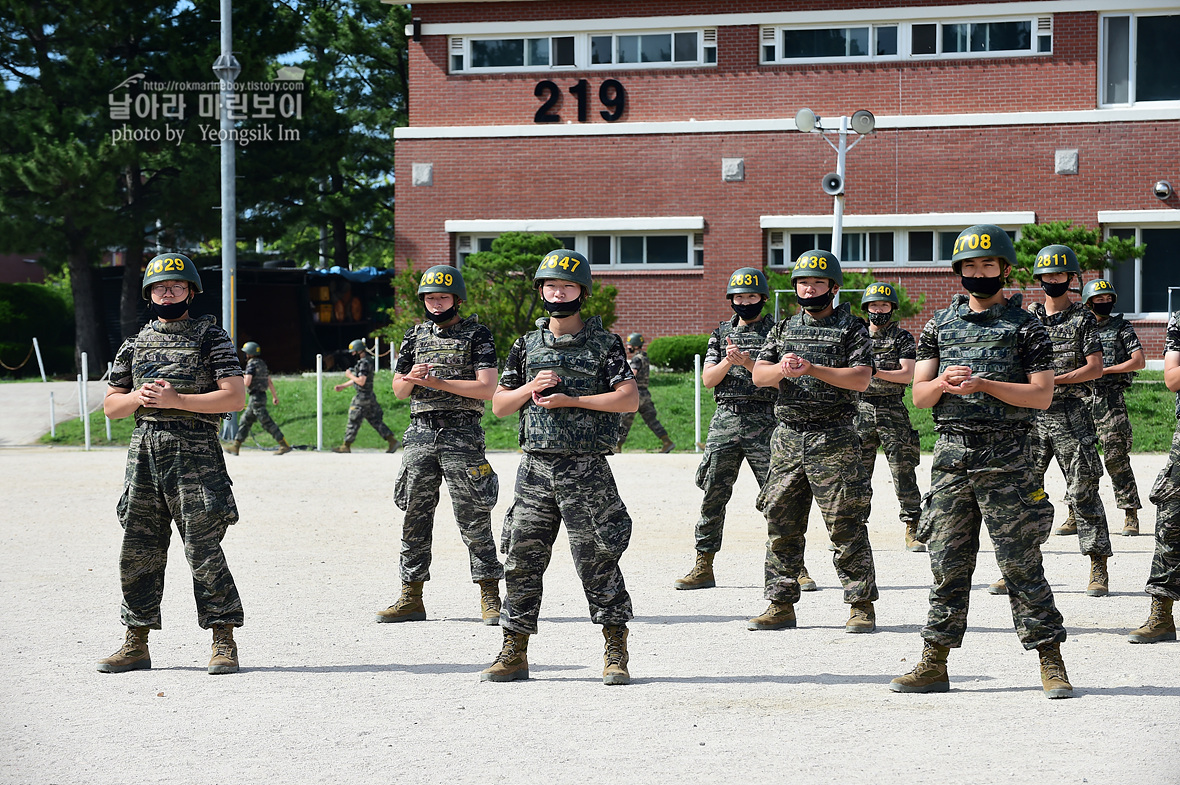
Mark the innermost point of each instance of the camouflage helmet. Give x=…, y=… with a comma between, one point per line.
x=357, y=346
x=880, y=292
x=170, y=267
x=1056, y=259
x=635, y=339
x=976, y=242
x=565, y=265
x=748, y=280
x=250, y=348
x=1096, y=287
x=818, y=263
x=444, y=279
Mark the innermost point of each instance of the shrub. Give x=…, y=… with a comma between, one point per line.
x=31, y=310
x=676, y=351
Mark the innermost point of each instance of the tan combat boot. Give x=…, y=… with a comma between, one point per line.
x=778, y=616
x=615, y=658
x=489, y=602
x=409, y=606
x=133, y=656
x=1053, y=676
x=861, y=618
x=929, y=675
x=393, y=444
x=1070, y=526
x=284, y=447
x=234, y=447
x=999, y=587
x=912, y=544
x=667, y=445
x=1131, y=524
x=1099, y=577
x=225, y=651
x=346, y=447
x=1159, y=625
x=512, y=663
x=701, y=576
x=806, y=582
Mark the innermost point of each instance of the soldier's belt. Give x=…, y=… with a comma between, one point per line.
x=447, y=420
x=747, y=406
x=189, y=424
x=892, y=399
x=984, y=438
x=822, y=425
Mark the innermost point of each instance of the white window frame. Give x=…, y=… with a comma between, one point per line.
x=460, y=46
x=1132, y=45
x=1137, y=220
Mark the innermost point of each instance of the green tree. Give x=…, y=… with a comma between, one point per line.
x=1094, y=253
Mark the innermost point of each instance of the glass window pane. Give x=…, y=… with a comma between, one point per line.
x=946, y=245
x=1159, y=270
x=686, y=47
x=816, y=43
x=563, y=50
x=1117, y=60
x=801, y=244
x=1044, y=44
x=776, y=257
x=921, y=246
x=858, y=42
x=886, y=41
x=667, y=250
x=852, y=247
x=566, y=242
x=1008, y=37
x=881, y=246
x=600, y=49
x=924, y=39
x=955, y=38
x=628, y=49
x=1123, y=276
x=1157, y=58
x=498, y=53
x=711, y=54
x=630, y=250
x=599, y=249
x=485, y=243
x=656, y=48
x=538, y=51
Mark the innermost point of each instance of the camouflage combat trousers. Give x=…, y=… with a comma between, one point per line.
x=256, y=411
x=580, y=490
x=734, y=434
x=1114, y=432
x=1164, y=579
x=176, y=475
x=454, y=454
x=365, y=407
x=1066, y=430
x=824, y=464
x=986, y=478
x=648, y=411
x=883, y=420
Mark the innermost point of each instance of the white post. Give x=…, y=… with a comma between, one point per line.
x=40, y=363
x=319, y=402
x=110, y=367
x=85, y=399
x=696, y=383
x=81, y=402
x=838, y=199
x=52, y=417
x=376, y=355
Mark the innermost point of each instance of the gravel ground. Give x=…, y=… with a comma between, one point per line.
x=327, y=695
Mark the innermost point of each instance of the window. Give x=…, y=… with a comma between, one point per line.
x=972, y=38
x=1139, y=59
x=630, y=249
x=544, y=53
x=869, y=248
x=1143, y=284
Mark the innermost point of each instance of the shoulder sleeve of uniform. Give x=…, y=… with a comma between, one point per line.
x=769, y=351
x=713, y=353
x=860, y=345
x=1091, y=342
x=1129, y=338
x=514, y=366
x=1035, y=347
x=1172, y=340
x=405, y=352
x=121, y=371
x=615, y=368
x=483, y=348
x=928, y=342
x=221, y=354
x=907, y=349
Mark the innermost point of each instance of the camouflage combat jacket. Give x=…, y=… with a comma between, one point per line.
x=737, y=386
x=1074, y=335
x=891, y=345
x=173, y=351
x=450, y=354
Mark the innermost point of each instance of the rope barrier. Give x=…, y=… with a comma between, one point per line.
x=23, y=364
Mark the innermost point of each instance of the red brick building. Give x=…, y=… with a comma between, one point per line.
x=659, y=138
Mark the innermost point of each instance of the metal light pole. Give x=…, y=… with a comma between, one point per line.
x=227, y=68
x=861, y=123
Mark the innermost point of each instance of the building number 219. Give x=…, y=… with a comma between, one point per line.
x=610, y=93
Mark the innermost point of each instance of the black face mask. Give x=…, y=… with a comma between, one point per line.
x=169, y=310
x=983, y=288
x=748, y=311
x=562, y=310
x=817, y=303
x=1102, y=309
x=880, y=319
x=445, y=316
x=1055, y=289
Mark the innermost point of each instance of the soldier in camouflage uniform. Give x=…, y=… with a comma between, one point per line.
x=1163, y=582
x=1122, y=355
x=364, y=404
x=447, y=368
x=984, y=365
x=177, y=376
x=569, y=379
x=257, y=382
x=882, y=418
x=641, y=367
x=819, y=359
x=744, y=419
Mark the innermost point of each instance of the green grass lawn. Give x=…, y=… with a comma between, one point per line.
x=1152, y=409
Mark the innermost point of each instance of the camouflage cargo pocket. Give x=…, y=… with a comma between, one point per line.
x=703, y=469
x=925, y=525
x=506, y=531
x=1166, y=487
x=485, y=484
x=1089, y=461
x=219, y=498
x=401, y=488
x=1035, y=498
x=121, y=507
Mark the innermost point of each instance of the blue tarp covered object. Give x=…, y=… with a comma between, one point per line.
x=363, y=275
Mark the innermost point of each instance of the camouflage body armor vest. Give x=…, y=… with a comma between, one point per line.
x=449, y=353
x=886, y=357
x=172, y=351
x=1066, y=330
x=1113, y=353
x=578, y=360
x=987, y=343
x=737, y=386
x=820, y=342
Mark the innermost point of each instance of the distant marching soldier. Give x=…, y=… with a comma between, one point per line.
x=364, y=404
x=641, y=367
x=258, y=381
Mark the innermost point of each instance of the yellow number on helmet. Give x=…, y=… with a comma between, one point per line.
x=986, y=242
